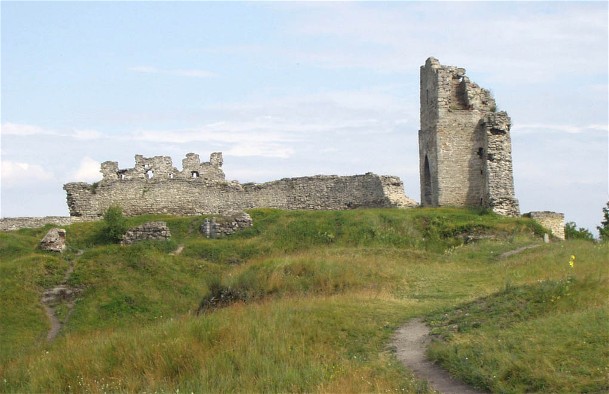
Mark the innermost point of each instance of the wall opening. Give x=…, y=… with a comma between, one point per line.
x=194, y=174
x=149, y=174
x=426, y=183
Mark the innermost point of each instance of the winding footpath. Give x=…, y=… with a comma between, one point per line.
x=410, y=343
x=53, y=297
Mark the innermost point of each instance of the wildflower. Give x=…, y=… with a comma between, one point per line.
x=572, y=261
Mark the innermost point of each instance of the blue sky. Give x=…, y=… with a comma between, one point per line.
x=291, y=89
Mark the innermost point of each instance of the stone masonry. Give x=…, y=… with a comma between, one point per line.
x=227, y=224
x=553, y=221
x=151, y=231
x=54, y=240
x=465, y=153
x=153, y=185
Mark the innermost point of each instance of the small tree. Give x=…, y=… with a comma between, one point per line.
x=572, y=232
x=115, y=224
x=603, y=229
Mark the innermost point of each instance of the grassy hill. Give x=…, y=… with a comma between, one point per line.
x=309, y=302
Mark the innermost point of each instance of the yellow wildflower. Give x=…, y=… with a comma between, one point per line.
x=572, y=261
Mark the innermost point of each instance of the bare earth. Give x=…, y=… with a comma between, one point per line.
x=410, y=342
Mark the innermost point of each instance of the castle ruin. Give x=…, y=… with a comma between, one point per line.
x=465, y=151
x=465, y=160
x=154, y=186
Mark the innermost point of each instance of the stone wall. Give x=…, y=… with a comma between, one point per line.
x=12, y=224
x=161, y=168
x=151, y=231
x=553, y=221
x=209, y=193
x=464, y=145
x=224, y=225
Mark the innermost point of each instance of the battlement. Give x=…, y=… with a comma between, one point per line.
x=161, y=168
x=154, y=186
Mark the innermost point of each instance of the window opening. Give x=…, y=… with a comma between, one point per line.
x=426, y=183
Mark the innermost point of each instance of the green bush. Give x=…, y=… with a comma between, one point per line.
x=115, y=224
x=603, y=229
x=572, y=232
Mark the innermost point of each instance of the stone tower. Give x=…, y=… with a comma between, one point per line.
x=465, y=151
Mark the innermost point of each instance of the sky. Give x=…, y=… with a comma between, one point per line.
x=287, y=89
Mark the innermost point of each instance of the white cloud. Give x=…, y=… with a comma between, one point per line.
x=22, y=129
x=387, y=38
x=280, y=126
x=88, y=171
x=145, y=69
x=18, y=173
x=557, y=128
x=190, y=73
x=261, y=149
x=86, y=134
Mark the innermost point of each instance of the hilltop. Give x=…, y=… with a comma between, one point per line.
x=306, y=301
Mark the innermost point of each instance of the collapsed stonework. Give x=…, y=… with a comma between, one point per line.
x=553, y=221
x=225, y=225
x=154, y=186
x=465, y=153
x=54, y=240
x=151, y=231
x=464, y=158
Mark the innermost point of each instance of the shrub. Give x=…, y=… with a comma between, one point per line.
x=115, y=224
x=572, y=232
x=603, y=229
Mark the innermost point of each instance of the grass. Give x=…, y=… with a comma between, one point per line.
x=559, y=324
x=317, y=296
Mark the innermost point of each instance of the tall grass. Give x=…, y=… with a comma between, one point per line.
x=320, y=293
x=551, y=335
x=281, y=346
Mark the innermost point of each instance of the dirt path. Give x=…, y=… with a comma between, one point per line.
x=55, y=296
x=410, y=342
x=516, y=251
x=178, y=251
x=55, y=323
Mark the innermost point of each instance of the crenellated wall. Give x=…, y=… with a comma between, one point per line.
x=180, y=193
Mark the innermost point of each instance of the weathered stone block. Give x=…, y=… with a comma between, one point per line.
x=54, y=240
x=151, y=231
x=553, y=221
x=224, y=225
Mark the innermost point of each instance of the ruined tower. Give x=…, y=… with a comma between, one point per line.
x=465, y=151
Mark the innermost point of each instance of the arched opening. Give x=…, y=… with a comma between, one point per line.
x=194, y=174
x=149, y=174
x=427, y=201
